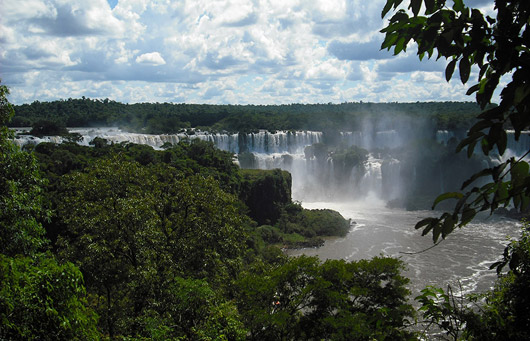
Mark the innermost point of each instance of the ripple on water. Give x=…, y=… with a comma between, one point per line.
x=462, y=259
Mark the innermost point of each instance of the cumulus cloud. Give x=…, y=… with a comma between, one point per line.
x=203, y=51
x=151, y=58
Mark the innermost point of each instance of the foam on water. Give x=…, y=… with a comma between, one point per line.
x=463, y=259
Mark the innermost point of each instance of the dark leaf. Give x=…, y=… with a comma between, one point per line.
x=472, y=89
x=501, y=194
x=465, y=68
x=461, y=202
x=484, y=172
x=458, y=5
x=498, y=170
x=450, y=69
x=445, y=196
x=519, y=171
x=498, y=265
x=448, y=226
x=479, y=126
x=521, y=93
x=467, y=216
x=473, y=136
x=415, y=5
x=389, y=4
x=436, y=232
x=387, y=8
x=428, y=228
x=389, y=41
x=471, y=149
x=525, y=202
x=399, y=46
x=502, y=142
x=492, y=114
x=486, y=147
x=517, y=201
x=426, y=221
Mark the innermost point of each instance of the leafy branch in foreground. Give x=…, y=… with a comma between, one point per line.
x=499, y=48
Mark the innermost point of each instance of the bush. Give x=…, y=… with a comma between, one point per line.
x=40, y=299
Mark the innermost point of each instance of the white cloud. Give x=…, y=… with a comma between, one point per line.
x=152, y=58
x=233, y=51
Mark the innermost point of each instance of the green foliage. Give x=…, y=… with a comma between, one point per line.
x=130, y=226
x=161, y=241
x=6, y=110
x=508, y=305
x=498, y=47
x=444, y=310
x=47, y=128
x=20, y=193
x=161, y=118
x=39, y=299
x=191, y=310
x=308, y=225
x=189, y=157
x=265, y=193
x=42, y=300
x=20, y=202
x=350, y=157
x=306, y=299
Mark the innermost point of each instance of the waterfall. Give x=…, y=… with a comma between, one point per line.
x=379, y=139
x=382, y=175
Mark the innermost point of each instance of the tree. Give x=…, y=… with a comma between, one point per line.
x=20, y=192
x=304, y=299
x=499, y=48
x=39, y=298
x=132, y=229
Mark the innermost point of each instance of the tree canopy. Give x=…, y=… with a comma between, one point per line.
x=165, y=118
x=40, y=298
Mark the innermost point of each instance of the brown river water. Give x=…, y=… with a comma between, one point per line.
x=462, y=260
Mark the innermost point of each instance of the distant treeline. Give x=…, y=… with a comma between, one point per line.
x=159, y=118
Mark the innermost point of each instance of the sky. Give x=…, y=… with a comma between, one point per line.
x=209, y=51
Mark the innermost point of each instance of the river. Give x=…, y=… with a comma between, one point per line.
x=463, y=259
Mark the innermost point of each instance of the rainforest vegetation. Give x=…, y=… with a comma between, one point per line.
x=160, y=118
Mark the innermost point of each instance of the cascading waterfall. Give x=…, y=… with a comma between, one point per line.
x=379, y=139
x=313, y=179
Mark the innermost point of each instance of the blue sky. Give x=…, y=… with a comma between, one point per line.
x=209, y=51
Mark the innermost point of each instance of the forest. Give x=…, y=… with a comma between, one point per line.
x=162, y=118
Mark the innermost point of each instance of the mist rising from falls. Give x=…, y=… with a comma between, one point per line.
x=398, y=164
